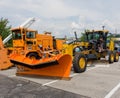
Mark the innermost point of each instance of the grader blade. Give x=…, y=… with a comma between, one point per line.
x=56, y=66
x=4, y=60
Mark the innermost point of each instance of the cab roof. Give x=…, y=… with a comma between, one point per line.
x=20, y=28
x=97, y=31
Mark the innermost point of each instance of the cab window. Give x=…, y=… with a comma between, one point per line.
x=30, y=35
x=16, y=35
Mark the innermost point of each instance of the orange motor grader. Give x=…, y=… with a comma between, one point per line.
x=39, y=54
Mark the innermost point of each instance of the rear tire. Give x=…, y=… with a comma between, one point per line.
x=111, y=57
x=79, y=63
x=116, y=56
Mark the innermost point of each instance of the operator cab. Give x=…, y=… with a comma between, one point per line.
x=17, y=38
x=23, y=37
x=97, y=39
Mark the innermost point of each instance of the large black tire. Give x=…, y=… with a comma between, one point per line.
x=116, y=56
x=33, y=55
x=79, y=63
x=111, y=57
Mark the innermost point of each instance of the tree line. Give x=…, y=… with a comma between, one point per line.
x=5, y=30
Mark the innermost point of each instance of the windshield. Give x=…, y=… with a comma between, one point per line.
x=30, y=34
x=94, y=36
x=16, y=34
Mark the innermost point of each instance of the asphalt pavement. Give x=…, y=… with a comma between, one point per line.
x=22, y=88
x=101, y=80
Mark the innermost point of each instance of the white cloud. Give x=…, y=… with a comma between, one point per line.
x=107, y=23
x=75, y=25
x=51, y=9
x=59, y=15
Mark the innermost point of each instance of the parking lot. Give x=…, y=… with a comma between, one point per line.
x=101, y=80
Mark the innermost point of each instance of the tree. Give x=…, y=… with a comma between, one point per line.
x=5, y=30
x=83, y=35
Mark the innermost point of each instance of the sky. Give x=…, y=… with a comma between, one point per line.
x=63, y=17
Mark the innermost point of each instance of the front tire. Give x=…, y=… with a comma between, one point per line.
x=79, y=63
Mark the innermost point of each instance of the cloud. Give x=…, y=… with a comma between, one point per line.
x=108, y=24
x=54, y=9
x=58, y=15
x=42, y=8
x=75, y=25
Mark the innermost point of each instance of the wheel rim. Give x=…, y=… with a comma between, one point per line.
x=82, y=63
x=112, y=57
